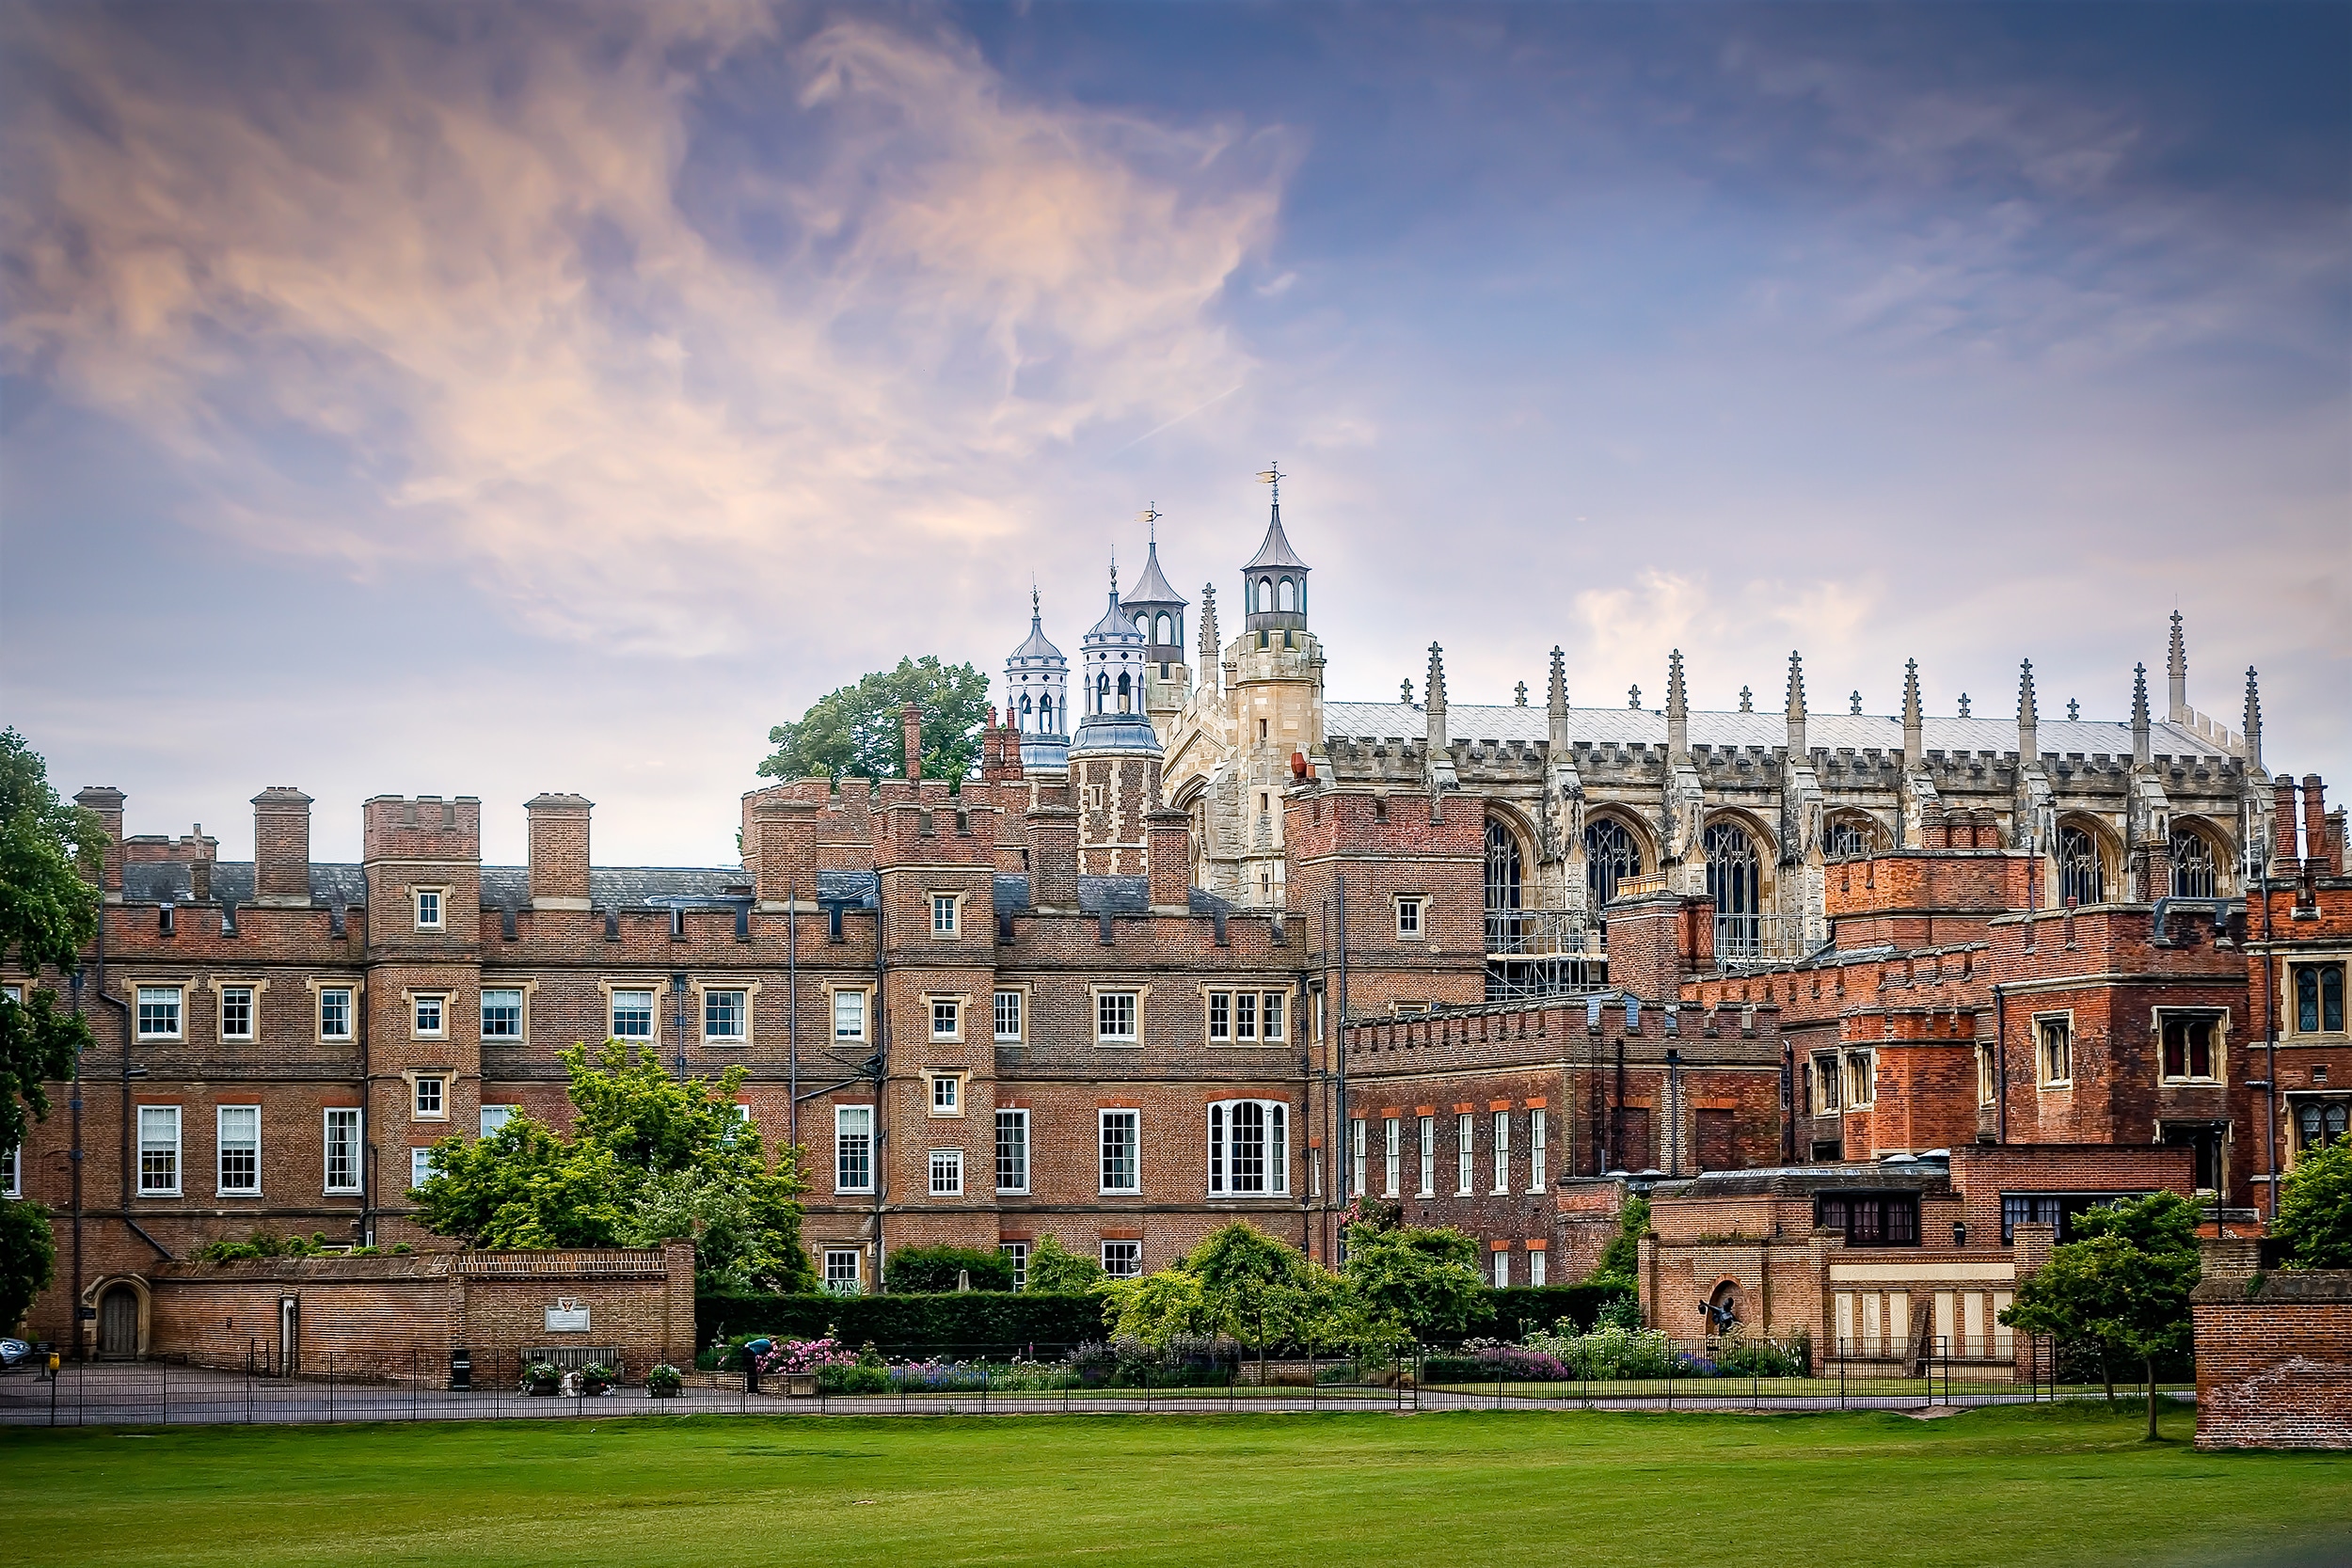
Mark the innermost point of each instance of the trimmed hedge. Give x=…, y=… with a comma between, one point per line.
x=1000, y=1323
x=978, y=1321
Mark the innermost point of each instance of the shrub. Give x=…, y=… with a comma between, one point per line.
x=1054, y=1270
x=665, y=1379
x=2315, y=1209
x=919, y=1268
x=263, y=1244
x=977, y=1323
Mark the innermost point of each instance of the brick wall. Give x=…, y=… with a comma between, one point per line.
x=2274, y=1365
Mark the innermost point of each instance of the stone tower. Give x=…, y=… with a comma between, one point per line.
x=1037, y=698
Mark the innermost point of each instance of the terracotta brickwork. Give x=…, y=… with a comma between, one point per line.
x=2274, y=1355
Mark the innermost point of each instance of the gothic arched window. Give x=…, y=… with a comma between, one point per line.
x=1160, y=628
x=1610, y=855
x=1290, y=595
x=1848, y=837
x=1045, y=715
x=1102, y=693
x=1024, y=712
x=1265, y=594
x=1125, y=701
x=1503, y=885
x=2192, y=866
x=1732, y=881
x=2081, y=877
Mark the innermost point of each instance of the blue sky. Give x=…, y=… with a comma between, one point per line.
x=491, y=399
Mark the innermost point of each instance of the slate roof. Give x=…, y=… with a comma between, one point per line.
x=1152, y=587
x=1114, y=625
x=1117, y=895
x=1275, y=550
x=1037, y=646
x=1115, y=732
x=1466, y=724
x=502, y=886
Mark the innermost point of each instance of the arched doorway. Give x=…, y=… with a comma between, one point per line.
x=118, y=1322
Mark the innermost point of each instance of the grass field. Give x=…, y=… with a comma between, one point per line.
x=2016, y=1485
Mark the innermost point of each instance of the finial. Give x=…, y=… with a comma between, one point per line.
x=1405, y=689
x=1855, y=702
x=1747, y=700
x=2073, y=708
x=1964, y=704
x=1034, y=612
x=1522, y=689
x=2029, y=715
x=1633, y=696
x=1273, y=476
x=1114, y=574
x=2253, y=724
x=1796, y=739
x=2139, y=693
x=2176, y=675
x=1150, y=518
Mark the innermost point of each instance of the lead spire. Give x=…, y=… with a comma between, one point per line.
x=1556, y=703
x=1914, y=726
x=1678, y=711
x=2176, y=675
x=1274, y=582
x=2139, y=715
x=1798, y=751
x=2028, y=716
x=2253, y=723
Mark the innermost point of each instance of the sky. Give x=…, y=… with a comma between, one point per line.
x=495, y=399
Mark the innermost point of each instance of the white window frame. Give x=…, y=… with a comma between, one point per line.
x=2219, y=1019
x=947, y=1172
x=1012, y=1000
x=12, y=1164
x=950, y=1010
x=159, y=1117
x=1133, y=1120
x=1503, y=1151
x=432, y=899
x=1539, y=1156
x=505, y=1112
x=1538, y=1269
x=1275, y=1120
x=1014, y=1116
x=1428, y=1130
x=252, y=1029
x=1412, y=916
x=845, y=1270
x=418, y=1004
x=950, y=906
x=613, y=994
x=863, y=996
x=1359, y=1172
x=1017, y=1253
x=1274, y=1017
x=175, y=997
x=2041, y=1021
x=350, y=995
x=953, y=1083
x=1392, y=1138
x=1219, y=1027
x=419, y=1165
x=743, y=1010
x=1129, y=1253
x=854, y=1122
x=1106, y=1000
x=1502, y=1257
x=1465, y=1153
x=522, y=1014
x=352, y=1117
x=221, y=1146
x=416, y=1110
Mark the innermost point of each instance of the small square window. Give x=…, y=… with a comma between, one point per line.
x=501, y=1015
x=947, y=1094
x=159, y=1012
x=632, y=1015
x=427, y=1016
x=1115, y=1017
x=1123, y=1260
x=1409, y=917
x=946, y=1173
x=335, y=1012
x=841, y=1271
x=726, y=1015
x=849, y=1015
x=2191, y=1044
x=946, y=1014
x=944, y=914
x=428, y=908
x=236, y=1012
x=494, y=1118
x=429, y=1097
x=1007, y=1015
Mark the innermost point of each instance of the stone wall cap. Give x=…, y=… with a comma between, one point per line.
x=2282, y=1286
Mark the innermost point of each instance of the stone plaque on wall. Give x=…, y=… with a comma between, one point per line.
x=567, y=1315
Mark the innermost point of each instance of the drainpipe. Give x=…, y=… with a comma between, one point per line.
x=792, y=1021
x=124, y=1008
x=2000, y=1064
x=2270, y=1029
x=367, y=1117
x=882, y=1079
x=1339, y=1076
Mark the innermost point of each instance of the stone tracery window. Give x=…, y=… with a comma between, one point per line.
x=2193, y=870
x=1610, y=855
x=2082, y=876
x=1850, y=836
x=1733, y=882
x=1503, y=885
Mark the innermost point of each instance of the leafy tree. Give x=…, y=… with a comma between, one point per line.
x=1411, y=1283
x=28, y=1259
x=2122, y=1284
x=919, y=1270
x=1620, y=1261
x=1056, y=1270
x=2315, y=1209
x=860, y=729
x=1258, y=1290
x=1156, y=1309
x=49, y=855
x=649, y=1157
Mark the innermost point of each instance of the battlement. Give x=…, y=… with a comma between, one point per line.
x=424, y=829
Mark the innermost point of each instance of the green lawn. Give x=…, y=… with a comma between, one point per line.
x=2017, y=1485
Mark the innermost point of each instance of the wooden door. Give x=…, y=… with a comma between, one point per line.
x=118, y=1322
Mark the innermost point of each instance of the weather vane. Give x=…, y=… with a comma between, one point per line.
x=1150, y=518
x=1273, y=476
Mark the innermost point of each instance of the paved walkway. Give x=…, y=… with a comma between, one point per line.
x=154, y=1394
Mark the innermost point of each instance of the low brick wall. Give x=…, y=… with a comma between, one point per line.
x=402, y=1317
x=2274, y=1359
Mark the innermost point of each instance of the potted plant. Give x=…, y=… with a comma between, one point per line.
x=597, y=1378
x=665, y=1382
x=541, y=1379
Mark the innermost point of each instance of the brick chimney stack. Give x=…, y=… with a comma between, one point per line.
x=1053, y=858
x=282, y=846
x=785, y=849
x=2282, y=856
x=911, y=719
x=1167, y=856
x=558, y=851
x=106, y=802
x=2315, y=825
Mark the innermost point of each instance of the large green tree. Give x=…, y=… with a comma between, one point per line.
x=2122, y=1284
x=860, y=729
x=1410, y=1283
x=2315, y=1209
x=649, y=1157
x=49, y=856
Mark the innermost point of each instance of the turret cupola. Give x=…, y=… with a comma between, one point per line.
x=1110, y=660
x=1274, y=584
x=1157, y=609
x=1037, y=698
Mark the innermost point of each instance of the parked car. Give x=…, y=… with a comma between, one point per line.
x=14, y=1352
